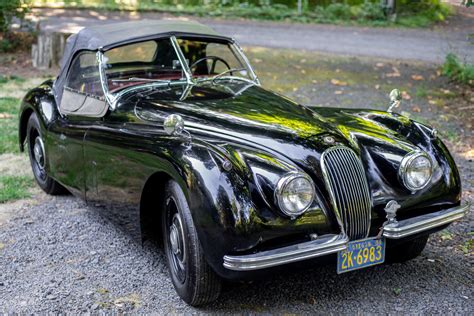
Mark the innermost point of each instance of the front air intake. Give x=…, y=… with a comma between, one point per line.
x=347, y=184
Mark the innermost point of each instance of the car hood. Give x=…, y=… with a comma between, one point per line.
x=248, y=113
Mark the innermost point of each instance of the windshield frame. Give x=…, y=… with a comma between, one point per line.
x=112, y=98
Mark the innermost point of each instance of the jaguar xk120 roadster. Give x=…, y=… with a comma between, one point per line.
x=167, y=121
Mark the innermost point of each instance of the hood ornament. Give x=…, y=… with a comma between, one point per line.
x=395, y=100
x=391, y=210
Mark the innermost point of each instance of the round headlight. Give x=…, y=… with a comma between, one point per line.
x=416, y=170
x=295, y=193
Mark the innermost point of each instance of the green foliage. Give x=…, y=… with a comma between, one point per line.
x=14, y=187
x=9, y=124
x=468, y=3
x=420, y=13
x=10, y=9
x=16, y=41
x=457, y=71
x=365, y=12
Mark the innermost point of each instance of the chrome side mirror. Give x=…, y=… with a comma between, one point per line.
x=395, y=99
x=173, y=125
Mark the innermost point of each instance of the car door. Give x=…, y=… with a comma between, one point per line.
x=82, y=105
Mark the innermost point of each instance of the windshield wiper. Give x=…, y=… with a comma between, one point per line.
x=131, y=79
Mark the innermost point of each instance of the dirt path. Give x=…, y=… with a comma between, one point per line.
x=428, y=45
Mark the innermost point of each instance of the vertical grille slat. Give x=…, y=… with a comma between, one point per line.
x=346, y=182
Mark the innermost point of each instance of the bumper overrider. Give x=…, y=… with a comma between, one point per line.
x=328, y=244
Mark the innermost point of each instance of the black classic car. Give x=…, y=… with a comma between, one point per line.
x=167, y=121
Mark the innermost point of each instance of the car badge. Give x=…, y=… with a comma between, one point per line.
x=329, y=140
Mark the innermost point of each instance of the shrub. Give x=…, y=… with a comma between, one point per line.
x=10, y=9
x=457, y=71
x=16, y=41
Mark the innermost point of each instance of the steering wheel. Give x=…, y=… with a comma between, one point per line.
x=214, y=59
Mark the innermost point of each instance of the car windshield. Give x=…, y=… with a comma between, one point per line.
x=157, y=62
x=213, y=59
x=141, y=63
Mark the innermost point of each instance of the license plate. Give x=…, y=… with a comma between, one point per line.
x=361, y=254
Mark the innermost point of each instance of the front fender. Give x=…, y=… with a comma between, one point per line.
x=39, y=100
x=229, y=210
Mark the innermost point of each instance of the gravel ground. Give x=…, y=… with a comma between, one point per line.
x=58, y=254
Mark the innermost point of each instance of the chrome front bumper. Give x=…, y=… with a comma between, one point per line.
x=425, y=222
x=328, y=244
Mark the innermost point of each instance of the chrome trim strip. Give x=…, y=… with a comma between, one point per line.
x=249, y=66
x=322, y=246
x=425, y=222
x=103, y=80
x=182, y=59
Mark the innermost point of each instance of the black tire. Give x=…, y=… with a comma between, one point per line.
x=192, y=277
x=407, y=250
x=35, y=141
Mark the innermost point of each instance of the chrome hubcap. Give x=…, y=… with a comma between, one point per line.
x=38, y=152
x=174, y=240
x=177, y=246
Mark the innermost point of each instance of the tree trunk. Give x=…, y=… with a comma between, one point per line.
x=49, y=49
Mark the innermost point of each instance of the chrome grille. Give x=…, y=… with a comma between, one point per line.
x=347, y=184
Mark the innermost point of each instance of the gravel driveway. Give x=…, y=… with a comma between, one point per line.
x=58, y=254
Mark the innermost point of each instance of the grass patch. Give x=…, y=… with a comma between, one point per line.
x=14, y=188
x=16, y=87
x=368, y=13
x=458, y=71
x=9, y=125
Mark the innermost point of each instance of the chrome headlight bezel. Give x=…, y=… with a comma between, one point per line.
x=283, y=184
x=405, y=164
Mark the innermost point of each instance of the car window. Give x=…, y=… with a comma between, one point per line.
x=83, y=94
x=83, y=76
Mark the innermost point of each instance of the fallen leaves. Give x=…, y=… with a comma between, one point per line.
x=337, y=82
x=395, y=73
x=405, y=95
x=338, y=92
x=417, y=77
x=416, y=109
x=5, y=116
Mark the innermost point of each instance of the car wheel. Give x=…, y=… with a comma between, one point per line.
x=37, y=154
x=192, y=277
x=407, y=250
